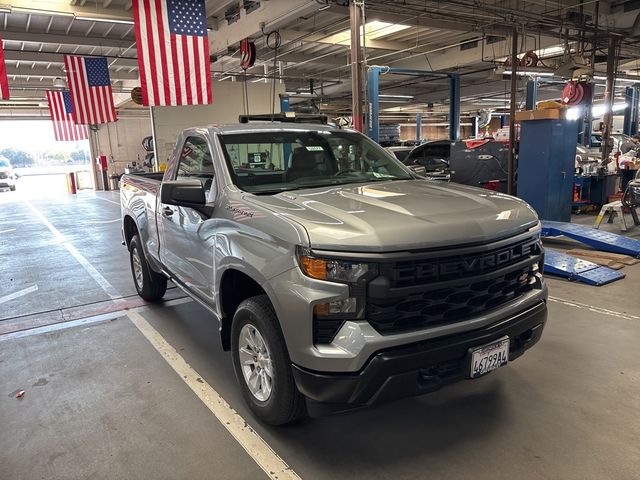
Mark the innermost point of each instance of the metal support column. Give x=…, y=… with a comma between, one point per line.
x=285, y=106
x=608, y=98
x=587, y=127
x=373, y=121
x=418, y=127
x=454, y=107
x=532, y=94
x=631, y=111
x=355, y=16
x=512, y=113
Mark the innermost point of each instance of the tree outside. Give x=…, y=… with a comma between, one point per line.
x=18, y=158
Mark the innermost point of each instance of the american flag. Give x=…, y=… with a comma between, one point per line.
x=4, y=83
x=90, y=86
x=173, y=52
x=61, y=109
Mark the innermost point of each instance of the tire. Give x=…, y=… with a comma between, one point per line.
x=150, y=285
x=12, y=188
x=284, y=404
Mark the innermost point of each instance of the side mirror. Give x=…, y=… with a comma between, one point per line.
x=183, y=193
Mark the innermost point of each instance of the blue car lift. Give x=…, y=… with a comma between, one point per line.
x=566, y=266
x=373, y=88
x=605, y=241
x=563, y=265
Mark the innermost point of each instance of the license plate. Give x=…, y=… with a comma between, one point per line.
x=489, y=357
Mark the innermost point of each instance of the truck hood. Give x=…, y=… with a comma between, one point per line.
x=402, y=214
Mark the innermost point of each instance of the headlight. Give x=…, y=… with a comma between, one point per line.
x=354, y=274
x=341, y=271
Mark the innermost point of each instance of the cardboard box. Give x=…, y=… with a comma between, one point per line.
x=544, y=114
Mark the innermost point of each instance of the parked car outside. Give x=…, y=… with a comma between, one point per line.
x=7, y=175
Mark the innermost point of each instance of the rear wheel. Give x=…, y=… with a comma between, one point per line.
x=149, y=284
x=262, y=365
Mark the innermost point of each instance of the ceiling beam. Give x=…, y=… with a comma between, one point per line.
x=73, y=7
x=64, y=39
x=25, y=70
x=273, y=15
x=326, y=39
x=58, y=58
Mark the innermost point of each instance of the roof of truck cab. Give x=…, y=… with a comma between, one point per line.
x=268, y=127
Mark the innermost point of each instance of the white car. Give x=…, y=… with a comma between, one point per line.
x=7, y=175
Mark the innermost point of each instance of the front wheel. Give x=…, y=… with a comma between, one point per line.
x=12, y=188
x=262, y=365
x=149, y=284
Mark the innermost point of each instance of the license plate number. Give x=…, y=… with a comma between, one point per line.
x=489, y=357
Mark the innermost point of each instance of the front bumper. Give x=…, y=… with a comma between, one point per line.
x=419, y=367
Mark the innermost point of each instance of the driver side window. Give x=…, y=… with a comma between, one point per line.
x=195, y=161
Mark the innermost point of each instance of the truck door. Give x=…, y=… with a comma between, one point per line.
x=187, y=237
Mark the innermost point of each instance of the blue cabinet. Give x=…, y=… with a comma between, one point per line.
x=545, y=166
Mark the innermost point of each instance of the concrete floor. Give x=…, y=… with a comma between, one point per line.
x=101, y=402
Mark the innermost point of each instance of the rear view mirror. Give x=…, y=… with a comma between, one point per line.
x=183, y=193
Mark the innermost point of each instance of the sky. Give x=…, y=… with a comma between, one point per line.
x=34, y=136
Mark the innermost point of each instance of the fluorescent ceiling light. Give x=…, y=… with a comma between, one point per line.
x=104, y=20
x=599, y=110
x=374, y=29
x=527, y=73
x=620, y=78
x=390, y=95
x=4, y=9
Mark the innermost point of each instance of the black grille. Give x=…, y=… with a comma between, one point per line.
x=449, y=304
x=324, y=329
x=437, y=291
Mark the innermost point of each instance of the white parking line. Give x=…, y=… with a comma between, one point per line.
x=103, y=317
x=274, y=466
x=8, y=230
x=603, y=311
x=19, y=293
x=95, y=274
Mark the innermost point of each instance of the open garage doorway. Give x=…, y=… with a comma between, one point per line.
x=40, y=163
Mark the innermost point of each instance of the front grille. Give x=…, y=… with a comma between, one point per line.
x=440, y=297
x=324, y=329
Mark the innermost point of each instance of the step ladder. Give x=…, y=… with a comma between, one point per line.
x=614, y=211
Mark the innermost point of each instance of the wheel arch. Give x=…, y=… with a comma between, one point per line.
x=236, y=285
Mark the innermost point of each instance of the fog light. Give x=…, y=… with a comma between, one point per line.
x=348, y=305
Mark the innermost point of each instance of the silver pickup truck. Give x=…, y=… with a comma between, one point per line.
x=338, y=277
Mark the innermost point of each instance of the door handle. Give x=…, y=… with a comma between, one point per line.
x=167, y=212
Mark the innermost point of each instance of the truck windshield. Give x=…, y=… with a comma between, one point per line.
x=271, y=162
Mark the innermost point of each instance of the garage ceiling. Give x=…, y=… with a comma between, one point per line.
x=313, y=57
